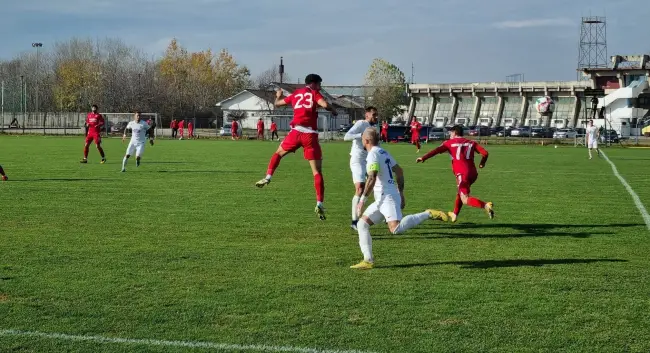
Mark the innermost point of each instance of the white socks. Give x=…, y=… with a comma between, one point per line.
x=268, y=177
x=355, y=202
x=409, y=222
x=590, y=153
x=124, y=162
x=365, y=241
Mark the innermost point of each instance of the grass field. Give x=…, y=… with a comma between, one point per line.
x=185, y=248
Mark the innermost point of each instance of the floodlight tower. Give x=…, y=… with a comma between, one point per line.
x=592, y=51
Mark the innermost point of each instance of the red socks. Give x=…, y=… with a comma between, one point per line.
x=458, y=204
x=319, y=185
x=474, y=202
x=273, y=164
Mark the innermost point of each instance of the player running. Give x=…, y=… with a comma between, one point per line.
x=190, y=130
x=462, y=164
x=386, y=180
x=358, y=156
x=234, y=130
x=304, y=133
x=139, y=130
x=274, y=130
x=415, y=133
x=592, y=139
x=3, y=175
x=181, y=129
x=95, y=123
x=260, y=129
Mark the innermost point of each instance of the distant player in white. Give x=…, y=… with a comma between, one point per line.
x=592, y=138
x=386, y=179
x=139, y=131
x=358, y=158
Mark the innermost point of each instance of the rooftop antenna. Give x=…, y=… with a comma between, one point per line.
x=281, y=70
x=412, y=73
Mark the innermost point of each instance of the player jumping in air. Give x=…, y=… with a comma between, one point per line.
x=386, y=180
x=95, y=123
x=139, y=131
x=358, y=156
x=415, y=133
x=304, y=133
x=462, y=164
x=3, y=175
x=592, y=139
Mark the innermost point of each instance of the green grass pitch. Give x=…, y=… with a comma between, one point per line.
x=186, y=248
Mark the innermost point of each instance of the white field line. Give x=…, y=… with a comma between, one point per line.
x=635, y=197
x=163, y=343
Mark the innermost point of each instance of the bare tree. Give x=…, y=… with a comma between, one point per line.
x=264, y=79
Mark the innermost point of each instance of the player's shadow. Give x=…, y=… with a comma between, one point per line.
x=57, y=180
x=504, y=230
x=485, y=264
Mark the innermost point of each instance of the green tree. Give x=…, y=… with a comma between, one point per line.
x=386, y=88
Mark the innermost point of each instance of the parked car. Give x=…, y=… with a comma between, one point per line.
x=581, y=131
x=345, y=128
x=610, y=136
x=541, y=132
x=523, y=131
x=565, y=133
x=495, y=130
x=119, y=127
x=437, y=133
x=479, y=131
x=226, y=130
x=505, y=132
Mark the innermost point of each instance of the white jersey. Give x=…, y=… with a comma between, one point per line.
x=139, y=131
x=592, y=132
x=357, y=153
x=380, y=161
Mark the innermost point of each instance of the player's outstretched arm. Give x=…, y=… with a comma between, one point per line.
x=355, y=132
x=484, y=154
x=279, y=98
x=440, y=149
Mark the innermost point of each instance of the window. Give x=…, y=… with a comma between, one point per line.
x=465, y=107
x=489, y=107
x=443, y=107
x=511, y=108
x=422, y=105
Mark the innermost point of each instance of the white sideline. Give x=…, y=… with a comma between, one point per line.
x=635, y=197
x=182, y=344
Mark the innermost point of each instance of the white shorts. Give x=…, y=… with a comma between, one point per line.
x=358, y=169
x=135, y=147
x=386, y=207
x=592, y=144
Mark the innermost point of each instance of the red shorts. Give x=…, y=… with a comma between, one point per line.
x=190, y=132
x=260, y=132
x=93, y=136
x=415, y=138
x=308, y=141
x=465, y=181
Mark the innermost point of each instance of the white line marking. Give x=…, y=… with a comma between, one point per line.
x=182, y=344
x=635, y=197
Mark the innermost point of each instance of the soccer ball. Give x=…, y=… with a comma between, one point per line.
x=544, y=105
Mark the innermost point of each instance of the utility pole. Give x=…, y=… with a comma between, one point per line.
x=281, y=70
x=37, y=46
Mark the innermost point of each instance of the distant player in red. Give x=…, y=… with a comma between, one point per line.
x=462, y=164
x=274, y=130
x=304, y=133
x=260, y=129
x=384, y=131
x=174, y=127
x=415, y=133
x=95, y=123
x=3, y=175
x=234, y=130
x=190, y=129
x=181, y=129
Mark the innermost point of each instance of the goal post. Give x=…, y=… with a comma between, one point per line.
x=116, y=122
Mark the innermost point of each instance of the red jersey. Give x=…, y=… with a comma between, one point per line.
x=174, y=124
x=190, y=126
x=415, y=128
x=462, y=154
x=260, y=125
x=181, y=124
x=274, y=126
x=305, y=108
x=235, y=126
x=95, y=122
x=384, y=128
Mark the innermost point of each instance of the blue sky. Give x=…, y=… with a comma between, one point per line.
x=446, y=40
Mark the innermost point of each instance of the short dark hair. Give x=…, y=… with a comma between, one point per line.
x=94, y=106
x=370, y=108
x=457, y=129
x=137, y=112
x=313, y=78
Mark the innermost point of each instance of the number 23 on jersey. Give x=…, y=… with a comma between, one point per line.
x=304, y=100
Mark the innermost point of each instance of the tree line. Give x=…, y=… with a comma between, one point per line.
x=71, y=75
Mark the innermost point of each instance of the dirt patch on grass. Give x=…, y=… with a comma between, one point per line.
x=4, y=298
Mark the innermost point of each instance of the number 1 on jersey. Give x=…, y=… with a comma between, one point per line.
x=390, y=170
